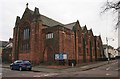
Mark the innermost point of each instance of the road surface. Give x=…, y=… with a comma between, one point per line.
x=109, y=70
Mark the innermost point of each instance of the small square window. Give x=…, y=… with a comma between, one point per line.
x=49, y=35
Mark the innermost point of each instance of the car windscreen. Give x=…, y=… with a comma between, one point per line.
x=18, y=62
x=26, y=62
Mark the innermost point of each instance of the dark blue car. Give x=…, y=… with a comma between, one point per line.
x=21, y=65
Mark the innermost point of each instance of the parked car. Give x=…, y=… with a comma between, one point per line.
x=21, y=65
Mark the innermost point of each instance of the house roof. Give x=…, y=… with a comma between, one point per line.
x=3, y=43
x=9, y=45
x=107, y=46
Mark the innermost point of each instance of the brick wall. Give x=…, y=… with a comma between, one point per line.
x=67, y=43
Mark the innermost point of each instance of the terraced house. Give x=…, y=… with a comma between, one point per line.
x=41, y=39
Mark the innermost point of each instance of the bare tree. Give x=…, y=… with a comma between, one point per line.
x=115, y=7
x=112, y=5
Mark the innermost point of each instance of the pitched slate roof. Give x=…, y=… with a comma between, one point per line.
x=46, y=21
x=70, y=25
x=49, y=22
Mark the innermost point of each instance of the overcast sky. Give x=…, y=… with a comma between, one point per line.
x=64, y=11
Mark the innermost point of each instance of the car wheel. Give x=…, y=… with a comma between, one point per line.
x=20, y=68
x=11, y=68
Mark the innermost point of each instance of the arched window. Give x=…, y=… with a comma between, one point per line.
x=26, y=39
x=26, y=33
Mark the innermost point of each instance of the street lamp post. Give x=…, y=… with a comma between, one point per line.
x=107, y=49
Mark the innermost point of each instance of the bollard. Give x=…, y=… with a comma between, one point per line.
x=72, y=64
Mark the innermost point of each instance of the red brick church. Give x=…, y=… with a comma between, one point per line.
x=40, y=39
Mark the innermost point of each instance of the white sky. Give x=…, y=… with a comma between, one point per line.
x=64, y=11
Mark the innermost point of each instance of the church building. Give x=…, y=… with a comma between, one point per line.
x=39, y=38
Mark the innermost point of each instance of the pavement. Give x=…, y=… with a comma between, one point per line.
x=61, y=69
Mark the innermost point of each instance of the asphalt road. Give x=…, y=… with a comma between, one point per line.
x=15, y=73
x=110, y=70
